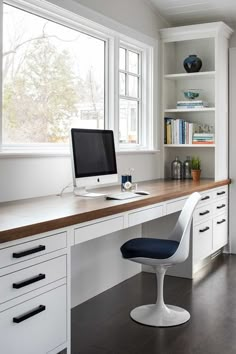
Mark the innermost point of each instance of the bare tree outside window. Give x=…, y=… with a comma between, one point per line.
x=51, y=74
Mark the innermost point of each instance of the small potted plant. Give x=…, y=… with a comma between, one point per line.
x=195, y=168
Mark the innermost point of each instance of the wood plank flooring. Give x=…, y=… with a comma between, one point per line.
x=102, y=325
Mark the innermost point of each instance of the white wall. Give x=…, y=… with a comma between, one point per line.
x=232, y=149
x=232, y=42
x=26, y=177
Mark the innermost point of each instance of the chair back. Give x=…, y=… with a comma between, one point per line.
x=181, y=231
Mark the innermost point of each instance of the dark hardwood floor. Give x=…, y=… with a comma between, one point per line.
x=102, y=325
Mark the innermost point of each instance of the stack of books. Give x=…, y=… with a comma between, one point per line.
x=191, y=104
x=178, y=131
x=203, y=138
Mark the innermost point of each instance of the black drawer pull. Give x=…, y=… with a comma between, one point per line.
x=220, y=222
x=28, y=252
x=205, y=229
x=205, y=198
x=204, y=213
x=220, y=193
x=28, y=281
x=220, y=206
x=29, y=314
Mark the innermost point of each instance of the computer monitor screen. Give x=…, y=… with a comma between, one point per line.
x=93, y=158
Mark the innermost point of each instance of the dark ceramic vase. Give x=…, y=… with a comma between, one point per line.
x=192, y=63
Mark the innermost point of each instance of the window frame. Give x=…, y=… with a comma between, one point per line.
x=113, y=40
x=128, y=48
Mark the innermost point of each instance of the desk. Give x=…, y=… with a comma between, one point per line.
x=35, y=252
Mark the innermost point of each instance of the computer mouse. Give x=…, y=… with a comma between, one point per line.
x=141, y=192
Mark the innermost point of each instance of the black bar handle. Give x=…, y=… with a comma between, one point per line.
x=220, y=222
x=205, y=198
x=204, y=213
x=220, y=206
x=28, y=281
x=220, y=193
x=205, y=229
x=28, y=252
x=29, y=314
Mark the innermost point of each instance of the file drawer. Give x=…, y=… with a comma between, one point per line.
x=202, y=240
x=98, y=229
x=220, y=231
x=145, y=215
x=36, y=326
x=31, y=278
x=32, y=249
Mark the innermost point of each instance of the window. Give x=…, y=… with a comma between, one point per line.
x=130, y=96
x=58, y=72
x=51, y=75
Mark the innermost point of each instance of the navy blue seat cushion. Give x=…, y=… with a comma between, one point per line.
x=149, y=248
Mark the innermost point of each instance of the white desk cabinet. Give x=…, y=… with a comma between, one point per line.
x=36, y=268
x=34, y=295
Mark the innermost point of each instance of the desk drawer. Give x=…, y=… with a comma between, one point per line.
x=220, y=206
x=220, y=192
x=202, y=240
x=206, y=198
x=32, y=249
x=145, y=215
x=98, y=229
x=204, y=212
x=42, y=331
x=31, y=278
x=173, y=207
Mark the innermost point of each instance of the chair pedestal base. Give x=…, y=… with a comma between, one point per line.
x=160, y=316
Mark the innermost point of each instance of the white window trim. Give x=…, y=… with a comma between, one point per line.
x=112, y=39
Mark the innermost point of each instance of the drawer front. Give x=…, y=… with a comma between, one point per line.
x=35, y=326
x=206, y=198
x=32, y=249
x=202, y=213
x=31, y=278
x=145, y=215
x=220, y=192
x=220, y=231
x=98, y=229
x=202, y=240
x=220, y=206
x=173, y=207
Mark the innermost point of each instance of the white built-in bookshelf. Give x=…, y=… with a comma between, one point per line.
x=210, y=43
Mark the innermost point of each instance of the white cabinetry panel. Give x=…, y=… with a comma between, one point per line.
x=23, y=332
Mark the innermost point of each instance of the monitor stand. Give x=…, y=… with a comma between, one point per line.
x=82, y=192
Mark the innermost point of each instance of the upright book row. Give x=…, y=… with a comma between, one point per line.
x=178, y=131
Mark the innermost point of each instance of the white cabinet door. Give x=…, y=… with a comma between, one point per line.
x=35, y=326
x=202, y=240
x=220, y=235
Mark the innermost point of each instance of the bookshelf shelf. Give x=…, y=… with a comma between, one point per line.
x=177, y=110
x=189, y=145
x=187, y=76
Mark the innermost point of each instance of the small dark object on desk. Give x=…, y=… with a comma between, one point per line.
x=141, y=192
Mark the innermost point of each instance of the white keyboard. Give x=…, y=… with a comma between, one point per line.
x=122, y=196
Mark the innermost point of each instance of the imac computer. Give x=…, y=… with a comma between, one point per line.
x=93, y=159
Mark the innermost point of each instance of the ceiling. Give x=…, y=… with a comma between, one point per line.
x=186, y=12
